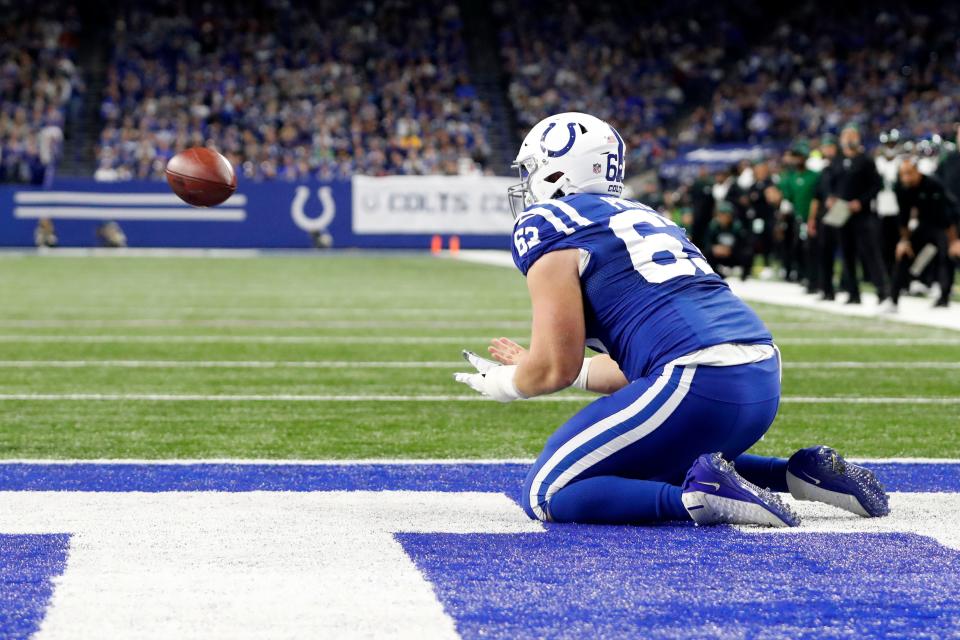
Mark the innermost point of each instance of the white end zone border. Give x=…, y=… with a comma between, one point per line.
x=912, y=310
x=288, y=564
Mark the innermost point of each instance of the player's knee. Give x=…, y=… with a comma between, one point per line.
x=533, y=511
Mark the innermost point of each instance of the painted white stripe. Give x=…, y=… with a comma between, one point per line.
x=549, y=216
x=268, y=462
x=121, y=213
x=108, y=199
x=384, y=339
x=867, y=400
x=904, y=364
x=255, y=339
x=281, y=397
x=893, y=342
x=132, y=252
x=589, y=433
x=624, y=440
x=231, y=364
x=323, y=564
x=366, y=461
x=264, y=324
x=570, y=212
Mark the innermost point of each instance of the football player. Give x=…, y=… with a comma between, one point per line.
x=689, y=374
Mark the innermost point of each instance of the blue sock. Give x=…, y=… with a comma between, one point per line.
x=616, y=500
x=762, y=471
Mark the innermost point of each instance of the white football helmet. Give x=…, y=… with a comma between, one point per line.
x=567, y=153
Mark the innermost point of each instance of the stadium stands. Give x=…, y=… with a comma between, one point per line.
x=638, y=70
x=882, y=65
x=38, y=83
x=294, y=92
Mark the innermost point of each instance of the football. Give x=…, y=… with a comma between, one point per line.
x=201, y=177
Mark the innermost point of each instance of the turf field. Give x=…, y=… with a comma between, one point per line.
x=351, y=356
x=179, y=371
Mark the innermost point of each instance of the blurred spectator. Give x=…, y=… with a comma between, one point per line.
x=37, y=81
x=44, y=234
x=288, y=92
x=793, y=197
x=928, y=231
x=109, y=234
x=888, y=166
x=854, y=184
x=727, y=243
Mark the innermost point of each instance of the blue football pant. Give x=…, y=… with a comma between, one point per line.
x=621, y=459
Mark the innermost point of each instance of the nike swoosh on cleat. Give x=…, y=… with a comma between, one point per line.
x=815, y=481
x=715, y=485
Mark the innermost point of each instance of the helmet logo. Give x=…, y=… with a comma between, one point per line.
x=556, y=153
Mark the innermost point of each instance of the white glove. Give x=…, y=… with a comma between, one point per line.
x=492, y=379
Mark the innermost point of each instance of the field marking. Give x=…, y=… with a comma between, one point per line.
x=333, y=462
x=252, y=339
x=281, y=397
x=382, y=339
x=844, y=364
x=207, y=564
x=389, y=364
x=233, y=364
x=263, y=324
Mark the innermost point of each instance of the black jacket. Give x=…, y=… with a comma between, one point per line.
x=855, y=178
x=934, y=206
x=949, y=175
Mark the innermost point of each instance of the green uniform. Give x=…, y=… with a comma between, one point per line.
x=799, y=187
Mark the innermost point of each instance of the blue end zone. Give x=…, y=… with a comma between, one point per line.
x=681, y=582
x=28, y=564
x=499, y=478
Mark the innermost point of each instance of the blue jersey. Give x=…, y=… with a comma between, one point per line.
x=649, y=294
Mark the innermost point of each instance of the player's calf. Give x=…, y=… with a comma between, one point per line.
x=822, y=475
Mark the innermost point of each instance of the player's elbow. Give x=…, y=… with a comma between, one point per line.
x=560, y=375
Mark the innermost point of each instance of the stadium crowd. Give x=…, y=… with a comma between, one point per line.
x=290, y=92
x=39, y=83
x=637, y=70
x=882, y=66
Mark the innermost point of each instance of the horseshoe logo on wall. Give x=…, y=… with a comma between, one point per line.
x=327, y=213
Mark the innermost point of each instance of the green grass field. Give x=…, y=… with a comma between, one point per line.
x=272, y=326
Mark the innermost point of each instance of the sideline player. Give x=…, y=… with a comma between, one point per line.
x=690, y=374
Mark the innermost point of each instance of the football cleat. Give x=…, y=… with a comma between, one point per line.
x=714, y=493
x=821, y=474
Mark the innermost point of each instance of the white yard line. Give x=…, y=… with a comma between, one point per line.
x=905, y=364
x=389, y=364
x=389, y=339
x=264, y=324
x=231, y=364
x=252, y=339
x=365, y=461
x=281, y=397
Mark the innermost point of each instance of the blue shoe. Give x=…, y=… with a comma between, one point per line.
x=821, y=474
x=714, y=493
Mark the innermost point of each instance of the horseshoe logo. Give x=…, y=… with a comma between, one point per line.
x=551, y=153
x=322, y=221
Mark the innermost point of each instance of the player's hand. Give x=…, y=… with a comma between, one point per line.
x=855, y=206
x=904, y=250
x=812, y=228
x=492, y=379
x=506, y=351
x=954, y=250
